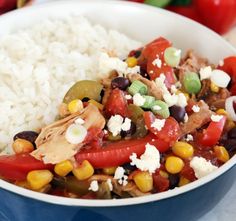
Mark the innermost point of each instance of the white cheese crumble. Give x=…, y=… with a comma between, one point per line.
x=185, y=118
x=158, y=124
x=79, y=121
x=196, y=108
x=170, y=100
x=182, y=100
x=202, y=167
x=189, y=137
x=138, y=99
x=120, y=176
x=220, y=78
x=126, y=125
x=109, y=183
x=94, y=186
x=149, y=161
x=205, y=73
x=133, y=70
x=128, y=97
x=160, y=82
x=156, y=108
x=157, y=62
x=114, y=124
x=173, y=89
x=216, y=118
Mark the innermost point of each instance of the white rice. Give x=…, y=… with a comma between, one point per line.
x=39, y=64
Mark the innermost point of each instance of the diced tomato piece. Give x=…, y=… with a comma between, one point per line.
x=17, y=166
x=118, y=153
x=116, y=104
x=188, y=172
x=169, y=133
x=161, y=183
x=94, y=137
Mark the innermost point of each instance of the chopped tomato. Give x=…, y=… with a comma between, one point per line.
x=116, y=104
x=17, y=166
x=212, y=134
x=169, y=133
x=160, y=183
x=118, y=153
x=188, y=172
x=94, y=137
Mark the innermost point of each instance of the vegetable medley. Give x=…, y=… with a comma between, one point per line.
x=167, y=121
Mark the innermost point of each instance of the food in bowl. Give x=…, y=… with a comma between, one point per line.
x=152, y=122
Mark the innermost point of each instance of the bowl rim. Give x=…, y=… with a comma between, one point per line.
x=129, y=201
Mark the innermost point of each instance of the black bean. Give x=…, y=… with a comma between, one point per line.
x=177, y=112
x=229, y=144
x=129, y=132
x=232, y=133
x=85, y=99
x=128, y=168
x=144, y=73
x=120, y=82
x=31, y=136
x=174, y=180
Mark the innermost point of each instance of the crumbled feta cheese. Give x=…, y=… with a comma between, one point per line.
x=138, y=99
x=158, y=124
x=205, y=73
x=157, y=62
x=216, y=118
x=189, y=137
x=182, y=101
x=196, y=108
x=185, y=118
x=173, y=89
x=126, y=125
x=133, y=70
x=160, y=82
x=128, y=97
x=94, y=186
x=120, y=176
x=170, y=100
x=105, y=131
x=109, y=183
x=202, y=167
x=149, y=161
x=156, y=108
x=114, y=124
x=221, y=63
x=79, y=121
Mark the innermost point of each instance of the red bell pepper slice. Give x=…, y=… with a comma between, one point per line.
x=169, y=133
x=17, y=166
x=118, y=153
x=212, y=134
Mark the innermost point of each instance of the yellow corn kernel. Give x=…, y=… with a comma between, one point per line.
x=131, y=62
x=95, y=103
x=75, y=105
x=183, y=149
x=83, y=171
x=221, y=112
x=63, y=168
x=39, y=178
x=183, y=181
x=214, y=88
x=143, y=181
x=164, y=174
x=221, y=153
x=109, y=170
x=22, y=146
x=174, y=164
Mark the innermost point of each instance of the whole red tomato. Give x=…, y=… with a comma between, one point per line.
x=7, y=5
x=218, y=15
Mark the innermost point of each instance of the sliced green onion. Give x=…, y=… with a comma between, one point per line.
x=160, y=108
x=148, y=102
x=172, y=56
x=137, y=87
x=192, y=83
x=158, y=3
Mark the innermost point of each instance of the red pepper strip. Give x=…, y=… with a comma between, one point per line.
x=17, y=166
x=212, y=134
x=118, y=153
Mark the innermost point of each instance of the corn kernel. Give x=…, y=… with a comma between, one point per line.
x=63, y=168
x=164, y=174
x=183, y=149
x=214, y=88
x=143, y=181
x=75, y=105
x=95, y=103
x=83, y=171
x=39, y=178
x=131, y=62
x=221, y=112
x=183, y=181
x=221, y=153
x=109, y=170
x=174, y=164
x=22, y=146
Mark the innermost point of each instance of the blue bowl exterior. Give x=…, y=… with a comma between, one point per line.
x=188, y=206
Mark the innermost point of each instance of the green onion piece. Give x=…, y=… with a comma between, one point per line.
x=172, y=56
x=192, y=83
x=160, y=108
x=158, y=3
x=137, y=87
x=148, y=102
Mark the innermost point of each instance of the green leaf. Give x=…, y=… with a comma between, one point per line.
x=158, y=3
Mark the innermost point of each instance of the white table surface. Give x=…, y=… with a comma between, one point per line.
x=226, y=209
